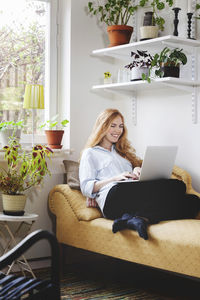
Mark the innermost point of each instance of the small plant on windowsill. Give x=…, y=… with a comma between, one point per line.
x=11, y=125
x=166, y=63
x=55, y=131
x=24, y=169
x=10, y=128
x=140, y=64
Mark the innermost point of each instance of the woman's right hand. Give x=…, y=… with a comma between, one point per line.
x=125, y=176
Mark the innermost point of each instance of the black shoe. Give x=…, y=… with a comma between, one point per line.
x=140, y=225
x=121, y=223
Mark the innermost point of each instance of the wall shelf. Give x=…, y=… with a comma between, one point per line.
x=153, y=45
x=190, y=85
x=132, y=86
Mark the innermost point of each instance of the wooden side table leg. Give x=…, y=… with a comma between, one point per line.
x=23, y=265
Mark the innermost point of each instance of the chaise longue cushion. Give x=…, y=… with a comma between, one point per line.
x=71, y=174
x=72, y=179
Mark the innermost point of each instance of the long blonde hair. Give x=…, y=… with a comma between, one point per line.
x=123, y=146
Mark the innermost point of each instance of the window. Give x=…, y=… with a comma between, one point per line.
x=25, y=52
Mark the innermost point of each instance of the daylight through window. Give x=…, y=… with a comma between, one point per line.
x=23, y=40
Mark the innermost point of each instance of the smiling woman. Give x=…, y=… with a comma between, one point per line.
x=113, y=134
x=24, y=44
x=109, y=158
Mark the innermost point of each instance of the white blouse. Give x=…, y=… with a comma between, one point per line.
x=97, y=164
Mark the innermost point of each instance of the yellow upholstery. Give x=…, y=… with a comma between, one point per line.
x=172, y=245
x=76, y=201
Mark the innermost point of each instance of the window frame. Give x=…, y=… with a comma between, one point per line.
x=52, y=61
x=51, y=74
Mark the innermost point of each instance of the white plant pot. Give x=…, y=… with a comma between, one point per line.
x=107, y=80
x=148, y=32
x=136, y=73
x=13, y=204
x=5, y=134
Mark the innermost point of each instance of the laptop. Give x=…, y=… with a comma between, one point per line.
x=157, y=164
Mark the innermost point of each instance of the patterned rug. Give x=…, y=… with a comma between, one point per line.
x=121, y=280
x=80, y=283
x=74, y=287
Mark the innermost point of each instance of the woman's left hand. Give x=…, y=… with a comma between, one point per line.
x=137, y=171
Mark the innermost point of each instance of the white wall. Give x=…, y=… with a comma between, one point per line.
x=85, y=70
x=163, y=116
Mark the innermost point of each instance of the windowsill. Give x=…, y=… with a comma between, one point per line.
x=38, y=139
x=56, y=152
x=55, y=163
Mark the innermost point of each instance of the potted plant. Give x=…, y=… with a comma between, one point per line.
x=116, y=15
x=8, y=129
x=167, y=63
x=24, y=170
x=140, y=64
x=55, y=132
x=107, y=78
x=152, y=21
x=197, y=7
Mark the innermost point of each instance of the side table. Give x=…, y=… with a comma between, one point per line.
x=10, y=239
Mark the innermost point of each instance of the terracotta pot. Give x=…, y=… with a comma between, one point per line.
x=119, y=34
x=54, y=138
x=14, y=204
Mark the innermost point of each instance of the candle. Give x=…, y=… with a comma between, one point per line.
x=189, y=6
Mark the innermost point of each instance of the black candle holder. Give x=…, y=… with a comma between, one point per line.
x=176, y=20
x=189, y=24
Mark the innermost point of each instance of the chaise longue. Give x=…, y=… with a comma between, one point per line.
x=172, y=245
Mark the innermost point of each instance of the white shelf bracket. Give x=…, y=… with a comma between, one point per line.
x=194, y=105
x=134, y=110
x=194, y=71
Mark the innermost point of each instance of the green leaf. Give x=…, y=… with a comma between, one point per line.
x=143, y=76
x=64, y=122
x=197, y=6
x=90, y=5
x=143, y=2
x=160, y=5
x=53, y=124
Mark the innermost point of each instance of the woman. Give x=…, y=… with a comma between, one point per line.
x=107, y=160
